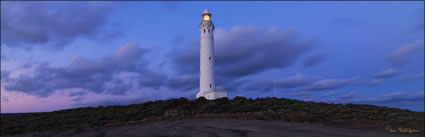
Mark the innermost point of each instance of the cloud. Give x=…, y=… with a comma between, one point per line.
x=375, y=82
x=257, y=50
x=396, y=99
x=328, y=94
x=118, y=86
x=327, y=84
x=153, y=79
x=4, y=75
x=401, y=97
x=184, y=82
x=420, y=76
x=26, y=24
x=350, y=97
x=110, y=102
x=387, y=73
x=417, y=76
x=133, y=97
x=302, y=94
x=230, y=85
x=106, y=75
x=3, y=57
x=78, y=93
x=246, y=50
x=5, y=99
x=392, y=98
x=260, y=85
x=313, y=60
x=295, y=81
x=400, y=56
x=304, y=85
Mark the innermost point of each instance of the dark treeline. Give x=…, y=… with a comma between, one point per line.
x=263, y=108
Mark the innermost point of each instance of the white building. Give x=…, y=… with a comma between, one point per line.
x=207, y=75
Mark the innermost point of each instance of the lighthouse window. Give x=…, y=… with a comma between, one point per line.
x=210, y=85
x=210, y=58
x=204, y=30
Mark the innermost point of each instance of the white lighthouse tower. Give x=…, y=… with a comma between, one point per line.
x=207, y=75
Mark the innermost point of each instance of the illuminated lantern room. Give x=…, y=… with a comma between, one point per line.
x=206, y=15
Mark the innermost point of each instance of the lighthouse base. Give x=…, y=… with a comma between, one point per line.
x=211, y=95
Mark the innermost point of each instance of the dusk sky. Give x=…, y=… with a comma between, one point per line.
x=61, y=55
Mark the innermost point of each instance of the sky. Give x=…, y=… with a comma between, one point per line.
x=62, y=55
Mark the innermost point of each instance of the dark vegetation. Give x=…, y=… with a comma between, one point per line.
x=260, y=108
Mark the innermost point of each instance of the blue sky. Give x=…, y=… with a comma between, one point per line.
x=59, y=55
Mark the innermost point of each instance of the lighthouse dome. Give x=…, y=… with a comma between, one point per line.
x=206, y=12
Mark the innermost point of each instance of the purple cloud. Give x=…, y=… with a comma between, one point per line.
x=27, y=24
x=100, y=76
x=5, y=99
x=400, y=56
x=314, y=60
x=4, y=76
x=184, y=82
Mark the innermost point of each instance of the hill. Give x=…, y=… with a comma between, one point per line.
x=367, y=116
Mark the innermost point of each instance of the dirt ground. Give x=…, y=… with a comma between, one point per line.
x=223, y=128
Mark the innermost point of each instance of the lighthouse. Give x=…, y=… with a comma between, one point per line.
x=207, y=75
